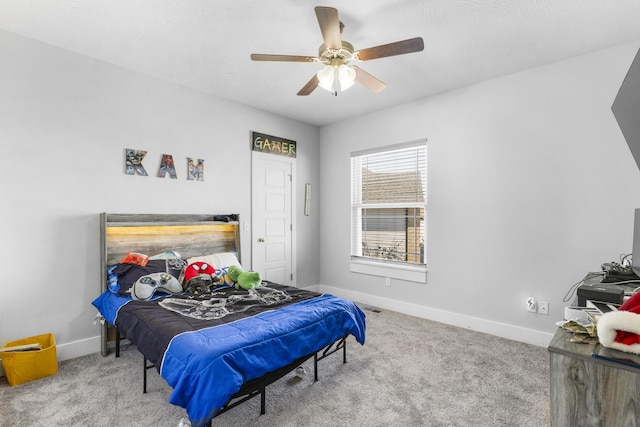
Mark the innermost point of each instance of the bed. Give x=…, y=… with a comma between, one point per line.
x=220, y=348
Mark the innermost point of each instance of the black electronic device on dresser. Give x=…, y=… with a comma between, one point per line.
x=604, y=292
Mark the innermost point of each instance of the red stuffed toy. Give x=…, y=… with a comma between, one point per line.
x=199, y=277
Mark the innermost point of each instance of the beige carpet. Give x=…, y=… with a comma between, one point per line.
x=410, y=372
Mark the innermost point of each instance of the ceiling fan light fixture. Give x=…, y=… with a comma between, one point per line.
x=326, y=76
x=334, y=78
x=347, y=76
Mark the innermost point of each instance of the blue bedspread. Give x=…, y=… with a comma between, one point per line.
x=207, y=365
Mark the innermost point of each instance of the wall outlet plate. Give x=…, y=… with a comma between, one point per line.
x=543, y=307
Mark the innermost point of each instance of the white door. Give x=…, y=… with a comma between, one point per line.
x=271, y=217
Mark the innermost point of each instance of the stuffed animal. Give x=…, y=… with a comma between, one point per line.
x=200, y=277
x=244, y=279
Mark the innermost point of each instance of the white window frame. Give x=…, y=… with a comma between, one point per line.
x=393, y=269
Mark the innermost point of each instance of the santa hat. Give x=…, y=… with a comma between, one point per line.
x=620, y=329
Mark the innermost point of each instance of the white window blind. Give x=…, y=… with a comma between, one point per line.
x=388, y=204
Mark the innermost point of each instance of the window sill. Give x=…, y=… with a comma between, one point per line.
x=401, y=272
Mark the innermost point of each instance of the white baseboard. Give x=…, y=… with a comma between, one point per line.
x=78, y=348
x=73, y=349
x=503, y=330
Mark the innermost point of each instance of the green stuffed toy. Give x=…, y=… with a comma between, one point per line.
x=244, y=279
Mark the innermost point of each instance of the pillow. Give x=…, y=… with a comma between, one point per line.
x=226, y=280
x=146, y=286
x=175, y=267
x=129, y=273
x=166, y=255
x=112, y=279
x=218, y=260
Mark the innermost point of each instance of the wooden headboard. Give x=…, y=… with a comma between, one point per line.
x=151, y=234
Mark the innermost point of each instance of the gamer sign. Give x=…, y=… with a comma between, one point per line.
x=272, y=145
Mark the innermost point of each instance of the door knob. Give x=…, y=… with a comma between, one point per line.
x=261, y=239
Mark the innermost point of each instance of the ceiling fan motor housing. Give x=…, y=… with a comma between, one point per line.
x=336, y=56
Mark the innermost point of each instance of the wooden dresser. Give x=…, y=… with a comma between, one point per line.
x=592, y=391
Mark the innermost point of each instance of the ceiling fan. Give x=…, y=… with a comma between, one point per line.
x=337, y=55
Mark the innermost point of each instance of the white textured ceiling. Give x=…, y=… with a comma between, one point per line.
x=205, y=44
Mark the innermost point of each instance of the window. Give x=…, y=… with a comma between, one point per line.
x=388, y=204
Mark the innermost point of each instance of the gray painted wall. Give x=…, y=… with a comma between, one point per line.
x=530, y=186
x=65, y=121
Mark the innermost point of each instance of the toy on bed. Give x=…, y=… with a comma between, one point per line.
x=244, y=279
x=200, y=277
x=140, y=276
x=146, y=286
x=135, y=258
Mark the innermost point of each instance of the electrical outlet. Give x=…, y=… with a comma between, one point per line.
x=531, y=305
x=543, y=307
x=387, y=281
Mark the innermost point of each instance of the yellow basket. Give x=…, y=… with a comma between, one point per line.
x=28, y=365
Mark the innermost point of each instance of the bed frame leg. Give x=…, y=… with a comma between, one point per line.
x=330, y=349
x=262, y=401
x=144, y=376
x=315, y=367
x=117, y=343
x=145, y=366
x=344, y=351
